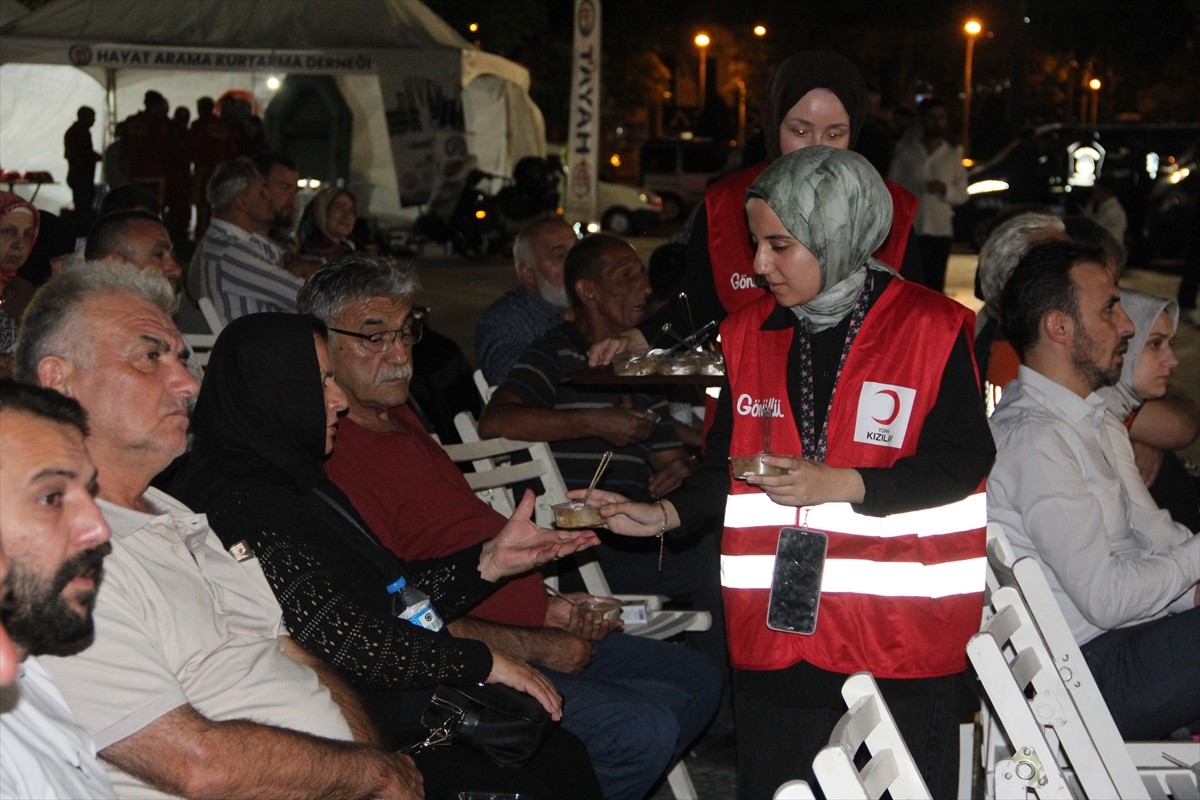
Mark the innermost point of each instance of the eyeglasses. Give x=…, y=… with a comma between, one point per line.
x=381, y=340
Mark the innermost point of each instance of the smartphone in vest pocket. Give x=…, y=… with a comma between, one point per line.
x=796, y=583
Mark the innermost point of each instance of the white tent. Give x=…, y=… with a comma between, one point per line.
x=422, y=97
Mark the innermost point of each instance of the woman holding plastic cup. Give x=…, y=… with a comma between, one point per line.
x=879, y=428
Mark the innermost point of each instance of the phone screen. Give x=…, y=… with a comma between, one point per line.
x=796, y=584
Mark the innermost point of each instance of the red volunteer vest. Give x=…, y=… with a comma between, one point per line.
x=729, y=236
x=902, y=594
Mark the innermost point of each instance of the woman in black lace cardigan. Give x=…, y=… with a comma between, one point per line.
x=263, y=425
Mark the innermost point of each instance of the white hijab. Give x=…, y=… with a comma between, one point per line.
x=1144, y=309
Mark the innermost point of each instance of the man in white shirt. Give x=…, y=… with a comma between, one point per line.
x=192, y=686
x=56, y=542
x=932, y=169
x=236, y=264
x=1124, y=574
x=1106, y=209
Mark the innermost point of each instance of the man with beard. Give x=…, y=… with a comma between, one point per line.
x=281, y=176
x=55, y=540
x=531, y=308
x=9, y=659
x=1123, y=573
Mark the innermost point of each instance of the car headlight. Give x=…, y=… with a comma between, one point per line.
x=983, y=187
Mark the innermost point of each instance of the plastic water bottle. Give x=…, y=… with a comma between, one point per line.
x=410, y=603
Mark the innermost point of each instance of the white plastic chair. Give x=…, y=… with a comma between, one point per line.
x=1135, y=769
x=481, y=385
x=211, y=315
x=794, y=790
x=200, y=345
x=868, y=721
x=1032, y=764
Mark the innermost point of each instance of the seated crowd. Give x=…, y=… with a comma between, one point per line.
x=196, y=564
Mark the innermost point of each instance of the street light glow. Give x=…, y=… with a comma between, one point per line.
x=972, y=28
x=1094, y=84
x=473, y=27
x=702, y=41
x=760, y=30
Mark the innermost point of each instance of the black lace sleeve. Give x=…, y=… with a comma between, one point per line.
x=453, y=582
x=335, y=604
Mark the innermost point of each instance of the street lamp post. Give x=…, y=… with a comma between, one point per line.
x=972, y=28
x=702, y=41
x=741, y=132
x=1094, y=85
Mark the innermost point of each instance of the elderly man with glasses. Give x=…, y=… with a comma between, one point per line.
x=635, y=703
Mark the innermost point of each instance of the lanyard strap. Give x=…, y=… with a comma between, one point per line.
x=814, y=448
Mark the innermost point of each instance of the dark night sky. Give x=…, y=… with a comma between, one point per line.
x=1148, y=53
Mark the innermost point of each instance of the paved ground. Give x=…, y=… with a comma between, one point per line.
x=459, y=291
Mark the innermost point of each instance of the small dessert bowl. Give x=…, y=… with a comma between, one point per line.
x=677, y=365
x=606, y=608
x=709, y=363
x=576, y=514
x=744, y=466
x=630, y=365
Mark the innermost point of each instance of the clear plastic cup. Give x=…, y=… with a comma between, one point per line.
x=709, y=363
x=609, y=609
x=677, y=365
x=575, y=514
x=629, y=365
x=744, y=466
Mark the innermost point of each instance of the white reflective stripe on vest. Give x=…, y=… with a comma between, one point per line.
x=857, y=576
x=755, y=510
x=758, y=510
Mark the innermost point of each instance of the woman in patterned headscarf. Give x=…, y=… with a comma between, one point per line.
x=869, y=387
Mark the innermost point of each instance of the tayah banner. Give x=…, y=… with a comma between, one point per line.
x=584, y=140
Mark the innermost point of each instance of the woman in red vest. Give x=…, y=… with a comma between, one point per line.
x=816, y=97
x=873, y=399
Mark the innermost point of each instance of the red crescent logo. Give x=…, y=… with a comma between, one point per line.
x=895, y=407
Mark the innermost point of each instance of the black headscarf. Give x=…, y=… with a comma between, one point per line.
x=799, y=75
x=263, y=396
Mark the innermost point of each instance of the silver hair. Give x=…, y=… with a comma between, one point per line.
x=51, y=326
x=523, y=246
x=1007, y=245
x=231, y=179
x=355, y=276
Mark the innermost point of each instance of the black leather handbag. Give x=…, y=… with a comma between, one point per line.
x=508, y=726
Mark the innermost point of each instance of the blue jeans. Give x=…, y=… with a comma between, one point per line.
x=637, y=707
x=1149, y=674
